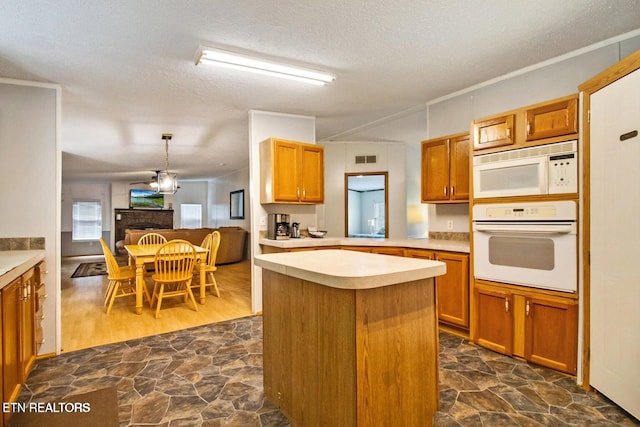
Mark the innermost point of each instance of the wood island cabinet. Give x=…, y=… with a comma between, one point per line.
x=537, y=327
x=445, y=169
x=291, y=172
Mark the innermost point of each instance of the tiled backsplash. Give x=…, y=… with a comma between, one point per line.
x=449, y=235
x=21, y=243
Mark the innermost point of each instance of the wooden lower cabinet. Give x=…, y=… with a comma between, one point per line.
x=387, y=250
x=452, y=288
x=18, y=325
x=11, y=366
x=27, y=325
x=537, y=327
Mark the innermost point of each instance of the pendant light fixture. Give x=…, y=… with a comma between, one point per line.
x=167, y=182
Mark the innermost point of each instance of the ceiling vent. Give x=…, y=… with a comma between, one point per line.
x=366, y=159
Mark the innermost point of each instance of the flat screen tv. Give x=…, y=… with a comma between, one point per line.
x=145, y=199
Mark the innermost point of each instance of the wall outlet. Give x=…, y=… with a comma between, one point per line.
x=450, y=224
x=263, y=220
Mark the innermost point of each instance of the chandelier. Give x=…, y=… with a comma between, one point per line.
x=167, y=183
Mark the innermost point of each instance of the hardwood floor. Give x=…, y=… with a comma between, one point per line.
x=85, y=324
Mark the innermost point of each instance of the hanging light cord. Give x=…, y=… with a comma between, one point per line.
x=166, y=137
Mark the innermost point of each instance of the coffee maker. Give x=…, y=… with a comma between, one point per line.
x=278, y=227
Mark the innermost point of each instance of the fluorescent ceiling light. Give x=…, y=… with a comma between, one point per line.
x=238, y=61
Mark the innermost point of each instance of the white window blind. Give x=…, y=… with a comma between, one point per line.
x=190, y=215
x=87, y=220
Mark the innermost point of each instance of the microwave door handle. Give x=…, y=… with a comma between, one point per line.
x=537, y=231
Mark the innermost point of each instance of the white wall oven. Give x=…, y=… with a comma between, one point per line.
x=544, y=169
x=530, y=244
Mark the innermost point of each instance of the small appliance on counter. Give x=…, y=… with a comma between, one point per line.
x=314, y=232
x=278, y=227
x=295, y=230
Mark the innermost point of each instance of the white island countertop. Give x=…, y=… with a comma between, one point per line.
x=430, y=244
x=350, y=269
x=15, y=263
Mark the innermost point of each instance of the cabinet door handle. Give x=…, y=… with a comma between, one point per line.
x=526, y=309
x=508, y=132
x=506, y=305
x=453, y=190
x=628, y=135
x=445, y=190
x=304, y=194
x=298, y=192
x=529, y=128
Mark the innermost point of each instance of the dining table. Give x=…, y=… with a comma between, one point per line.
x=139, y=255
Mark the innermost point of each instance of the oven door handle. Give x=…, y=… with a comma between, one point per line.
x=520, y=230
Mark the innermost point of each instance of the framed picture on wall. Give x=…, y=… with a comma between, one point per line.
x=236, y=204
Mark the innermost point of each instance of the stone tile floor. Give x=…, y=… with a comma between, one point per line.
x=212, y=376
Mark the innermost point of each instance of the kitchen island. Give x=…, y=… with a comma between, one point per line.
x=350, y=338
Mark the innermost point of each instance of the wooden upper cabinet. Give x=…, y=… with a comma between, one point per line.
x=286, y=167
x=459, y=167
x=445, y=169
x=554, y=119
x=547, y=122
x=494, y=132
x=291, y=172
x=312, y=173
x=435, y=170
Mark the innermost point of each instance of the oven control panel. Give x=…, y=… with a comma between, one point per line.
x=534, y=211
x=563, y=173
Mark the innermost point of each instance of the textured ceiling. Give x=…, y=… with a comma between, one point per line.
x=127, y=72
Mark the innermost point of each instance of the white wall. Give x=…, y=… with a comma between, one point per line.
x=84, y=191
x=220, y=197
x=264, y=125
x=339, y=159
x=30, y=176
x=407, y=129
x=191, y=192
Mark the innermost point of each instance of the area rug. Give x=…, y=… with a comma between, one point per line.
x=97, y=408
x=90, y=269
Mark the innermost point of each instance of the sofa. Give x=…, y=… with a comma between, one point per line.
x=232, y=240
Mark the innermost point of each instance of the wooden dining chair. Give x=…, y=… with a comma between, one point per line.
x=122, y=279
x=151, y=239
x=212, y=243
x=174, y=262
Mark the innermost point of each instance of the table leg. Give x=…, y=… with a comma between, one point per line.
x=203, y=280
x=139, y=285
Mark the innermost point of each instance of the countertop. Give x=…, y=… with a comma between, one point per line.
x=350, y=269
x=433, y=244
x=15, y=263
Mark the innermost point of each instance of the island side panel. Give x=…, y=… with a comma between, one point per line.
x=397, y=360
x=282, y=329
x=309, y=350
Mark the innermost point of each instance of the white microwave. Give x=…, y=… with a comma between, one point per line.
x=545, y=169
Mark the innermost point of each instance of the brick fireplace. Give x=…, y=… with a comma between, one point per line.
x=141, y=219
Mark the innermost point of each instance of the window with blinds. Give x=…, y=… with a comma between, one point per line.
x=87, y=220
